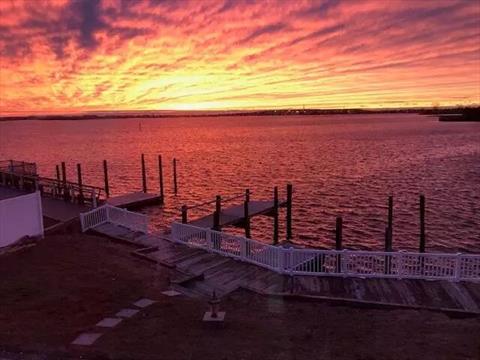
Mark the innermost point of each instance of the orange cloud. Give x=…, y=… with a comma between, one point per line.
x=73, y=55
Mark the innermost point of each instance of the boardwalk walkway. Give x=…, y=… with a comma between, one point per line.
x=200, y=272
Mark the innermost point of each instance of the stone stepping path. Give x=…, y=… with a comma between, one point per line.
x=109, y=322
x=88, y=339
x=127, y=313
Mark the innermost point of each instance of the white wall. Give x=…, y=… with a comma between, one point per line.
x=20, y=216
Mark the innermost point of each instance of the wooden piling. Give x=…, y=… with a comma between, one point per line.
x=275, y=215
x=105, y=178
x=338, y=241
x=247, y=219
x=160, y=178
x=144, y=175
x=422, y=224
x=388, y=248
x=58, y=189
x=289, y=211
x=64, y=181
x=184, y=214
x=175, y=185
x=246, y=214
x=216, y=214
x=80, y=185
x=390, y=215
x=338, y=233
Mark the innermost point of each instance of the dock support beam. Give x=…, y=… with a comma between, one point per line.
x=144, y=175
x=184, y=214
x=338, y=241
x=160, y=179
x=246, y=214
x=80, y=185
x=175, y=186
x=289, y=211
x=422, y=224
x=105, y=178
x=275, y=215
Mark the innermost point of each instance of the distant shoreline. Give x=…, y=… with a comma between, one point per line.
x=289, y=112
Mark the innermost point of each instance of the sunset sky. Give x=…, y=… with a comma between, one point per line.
x=69, y=56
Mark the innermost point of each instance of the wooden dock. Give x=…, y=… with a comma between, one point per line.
x=240, y=214
x=134, y=200
x=235, y=215
x=198, y=273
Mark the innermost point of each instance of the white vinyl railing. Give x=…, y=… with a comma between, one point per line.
x=114, y=215
x=293, y=261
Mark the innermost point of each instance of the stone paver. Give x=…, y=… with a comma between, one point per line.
x=127, y=313
x=86, y=339
x=109, y=322
x=143, y=303
x=171, y=293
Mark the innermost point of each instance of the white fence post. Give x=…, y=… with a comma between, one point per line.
x=400, y=265
x=344, y=258
x=243, y=248
x=208, y=238
x=458, y=267
x=281, y=259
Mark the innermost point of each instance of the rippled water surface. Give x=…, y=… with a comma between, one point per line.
x=339, y=166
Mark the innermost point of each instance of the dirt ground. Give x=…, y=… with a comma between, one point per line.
x=51, y=293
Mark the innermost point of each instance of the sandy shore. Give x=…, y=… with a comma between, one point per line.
x=62, y=287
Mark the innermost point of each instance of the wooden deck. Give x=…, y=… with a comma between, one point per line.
x=134, y=200
x=234, y=215
x=55, y=209
x=199, y=273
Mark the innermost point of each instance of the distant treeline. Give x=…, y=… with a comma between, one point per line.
x=148, y=114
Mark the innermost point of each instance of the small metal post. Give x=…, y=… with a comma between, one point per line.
x=289, y=211
x=275, y=215
x=105, y=178
x=144, y=175
x=160, y=178
x=175, y=185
